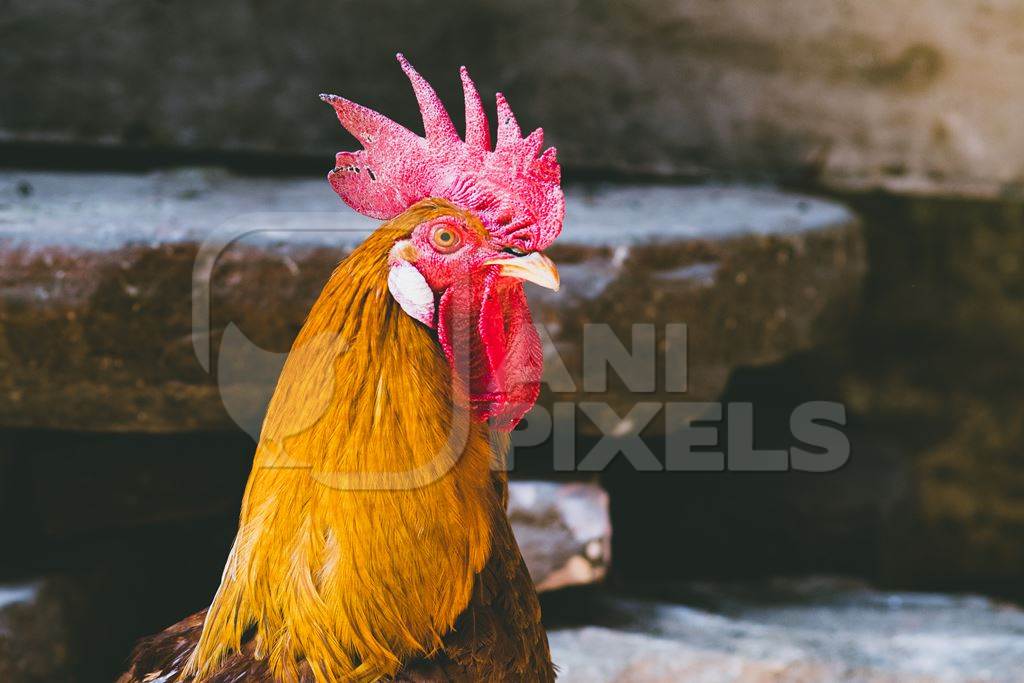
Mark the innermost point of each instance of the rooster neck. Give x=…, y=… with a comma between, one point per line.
x=370, y=506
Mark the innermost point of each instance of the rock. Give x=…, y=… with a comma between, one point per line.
x=934, y=367
x=929, y=372
x=826, y=90
x=802, y=631
x=563, y=530
x=76, y=626
x=33, y=646
x=119, y=293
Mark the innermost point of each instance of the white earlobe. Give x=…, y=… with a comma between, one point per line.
x=412, y=292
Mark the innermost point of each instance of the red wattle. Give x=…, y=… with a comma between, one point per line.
x=486, y=331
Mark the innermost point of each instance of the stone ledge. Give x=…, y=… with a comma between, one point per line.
x=97, y=271
x=796, y=631
x=912, y=95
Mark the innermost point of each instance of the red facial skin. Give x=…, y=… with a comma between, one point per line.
x=483, y=320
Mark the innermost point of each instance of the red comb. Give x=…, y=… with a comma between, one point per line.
x=515, y=192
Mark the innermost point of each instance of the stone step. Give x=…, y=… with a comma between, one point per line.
x=795, y=631
x=119, y=293
x=805, y=630
x=825, y=89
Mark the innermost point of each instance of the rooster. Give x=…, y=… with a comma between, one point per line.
x=373, y=542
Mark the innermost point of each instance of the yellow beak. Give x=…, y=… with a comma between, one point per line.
x=535, y=267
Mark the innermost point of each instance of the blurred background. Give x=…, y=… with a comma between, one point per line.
x=829, y=193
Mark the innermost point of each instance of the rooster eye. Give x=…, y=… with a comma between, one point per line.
x=445, y=238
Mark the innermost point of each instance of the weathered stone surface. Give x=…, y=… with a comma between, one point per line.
x=911, y=95
x=99, y=273
x=563, y=530
x=935, y=367
x=806, y=631
x=75, y=626
x=930, y=373
x=33, y=638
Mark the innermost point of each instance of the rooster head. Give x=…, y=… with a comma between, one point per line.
x=480, y=220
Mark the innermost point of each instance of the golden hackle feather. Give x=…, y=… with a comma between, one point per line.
x=362, y=527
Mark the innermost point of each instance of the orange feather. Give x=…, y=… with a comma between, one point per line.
x=365, y=521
